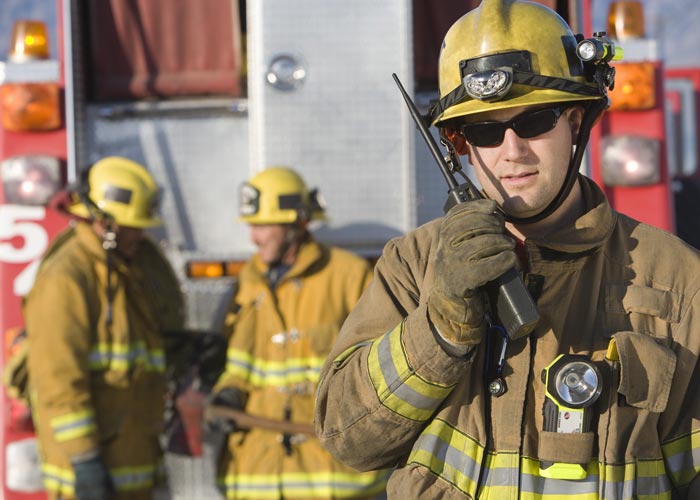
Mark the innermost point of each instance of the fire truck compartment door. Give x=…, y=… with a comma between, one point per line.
x=322, y=100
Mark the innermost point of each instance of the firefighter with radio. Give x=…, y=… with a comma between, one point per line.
x=95, y=318
x=292, y=298
x=598, y=397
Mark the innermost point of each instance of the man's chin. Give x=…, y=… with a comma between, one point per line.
x=520, y=210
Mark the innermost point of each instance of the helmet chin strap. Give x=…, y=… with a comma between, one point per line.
x=293, y=235
x=590, y=116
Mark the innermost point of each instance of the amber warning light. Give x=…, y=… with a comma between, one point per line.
x=29, y=41
x=626, y=20
x=635, y=82
x=27, y=105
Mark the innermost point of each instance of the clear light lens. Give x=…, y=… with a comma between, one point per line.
x=586, y=50
x=630, y=160
x=577, y=383
x=30, y=180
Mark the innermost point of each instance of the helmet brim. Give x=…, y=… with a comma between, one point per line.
x=518, y=96
x=80, y=210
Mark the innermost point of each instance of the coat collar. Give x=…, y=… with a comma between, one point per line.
x=310, y=253
x=588, y=232
x=92, y=243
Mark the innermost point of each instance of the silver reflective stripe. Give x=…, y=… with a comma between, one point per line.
x=653, y=485
x=396, y=385
x=547, y=486
x=685, y=460
x=617, y=490
x=501, y=476
x=449, y=455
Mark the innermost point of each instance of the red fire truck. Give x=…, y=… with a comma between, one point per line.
x=245, y=85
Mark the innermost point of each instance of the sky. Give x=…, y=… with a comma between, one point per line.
x=675, y=22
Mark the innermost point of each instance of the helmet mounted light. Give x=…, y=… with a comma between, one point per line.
x=489, y=85
x=248, y=200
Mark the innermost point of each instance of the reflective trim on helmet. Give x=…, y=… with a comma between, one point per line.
x=115, y=193
x=290, y=201
x=461, y=93
x=490, y=78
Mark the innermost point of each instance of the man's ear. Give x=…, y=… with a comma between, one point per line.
x=575, y=118
x=457, y=140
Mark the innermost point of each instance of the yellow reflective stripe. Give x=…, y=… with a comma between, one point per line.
x=450, y=454
x=456, y=457
x=262, y=372
x=643, y=479
x=120, y=357
x=73, y=425
x=62, y=481
x=58, y=480
x=347, y=352
x=535, y=487
x=398, y=387
x=133, y=478
x=501, y=475
x=683, y=458
x=305, y=485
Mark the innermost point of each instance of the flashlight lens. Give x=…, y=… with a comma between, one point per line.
x=587, y=50
x=577, y=384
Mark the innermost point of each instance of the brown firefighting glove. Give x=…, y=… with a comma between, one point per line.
x=473, y=249
x=92, y=480
x=229, y=397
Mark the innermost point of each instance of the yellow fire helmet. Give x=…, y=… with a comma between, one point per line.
x=509, y=53
x=278, y=195
x=123, y=190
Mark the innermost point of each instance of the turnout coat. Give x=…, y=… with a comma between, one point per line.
x=96, y=385
x=279, y=339
x=390, y=396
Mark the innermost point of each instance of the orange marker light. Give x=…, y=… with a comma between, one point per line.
x=214, y=269
x=635, y=86
x=30, y=106
x=205, y=269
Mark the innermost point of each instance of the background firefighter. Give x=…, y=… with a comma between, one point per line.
x=293, y=295
x=438, y=389
x=102, y=300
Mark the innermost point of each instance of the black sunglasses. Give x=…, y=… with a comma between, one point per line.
x=526, y=126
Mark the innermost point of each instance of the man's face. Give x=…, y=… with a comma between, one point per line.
x=524, y=175
x=272, y=240
x=128, y=240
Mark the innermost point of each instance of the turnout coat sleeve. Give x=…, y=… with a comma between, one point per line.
x=58, y=315
x=398, y=394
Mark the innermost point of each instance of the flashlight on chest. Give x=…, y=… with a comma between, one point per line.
x=572, y=385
